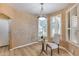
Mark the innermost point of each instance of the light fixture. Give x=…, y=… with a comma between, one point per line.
x=41, y=12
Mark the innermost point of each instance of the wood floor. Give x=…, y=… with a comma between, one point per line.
x=32, y=50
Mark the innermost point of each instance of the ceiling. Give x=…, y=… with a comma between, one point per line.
x=34, y=8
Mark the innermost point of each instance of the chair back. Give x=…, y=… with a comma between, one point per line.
x=56, y=38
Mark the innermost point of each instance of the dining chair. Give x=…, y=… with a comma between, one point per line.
x=54, y=44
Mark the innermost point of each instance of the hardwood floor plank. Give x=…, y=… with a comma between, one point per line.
x=32, y=50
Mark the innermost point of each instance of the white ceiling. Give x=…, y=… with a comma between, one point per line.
x=34, y=8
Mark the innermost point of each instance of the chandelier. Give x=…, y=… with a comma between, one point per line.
x=41, y=12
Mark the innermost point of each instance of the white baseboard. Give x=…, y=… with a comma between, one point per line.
x=23, y=46
x=66, y=50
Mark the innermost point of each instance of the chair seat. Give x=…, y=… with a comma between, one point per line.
x=53, y=45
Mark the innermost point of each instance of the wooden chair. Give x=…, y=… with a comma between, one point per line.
x=43, y=45
x=54, y=44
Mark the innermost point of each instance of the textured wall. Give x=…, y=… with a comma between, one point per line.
x=23, y=27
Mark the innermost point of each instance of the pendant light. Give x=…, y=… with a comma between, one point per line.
x=41, y=12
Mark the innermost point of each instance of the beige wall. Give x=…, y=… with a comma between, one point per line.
x=48, y=29
x=23, y=28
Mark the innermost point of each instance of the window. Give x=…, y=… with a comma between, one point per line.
x=73, y=25
x=55, y=25
x=72, y=31
x=42, y=27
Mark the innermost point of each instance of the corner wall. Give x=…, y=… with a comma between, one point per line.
x=23, y=28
